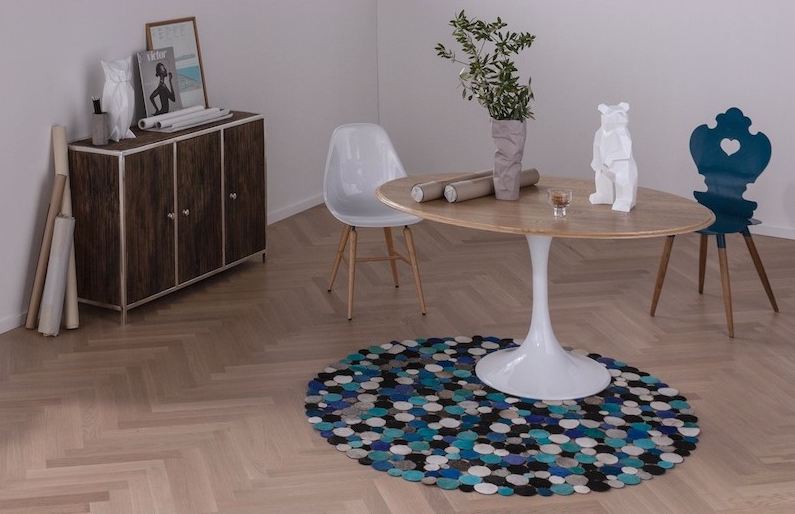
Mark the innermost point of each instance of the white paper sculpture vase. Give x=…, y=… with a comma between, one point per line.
x=118, y=97
x=509, y=138
x=613, y=163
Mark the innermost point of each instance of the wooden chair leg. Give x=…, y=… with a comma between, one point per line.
x=346, y=230
x=702, y=262
x=725, y=283
x=415, y=268
x=390, y=248
x=666, y=256
x=351, y=269
x=760, y=269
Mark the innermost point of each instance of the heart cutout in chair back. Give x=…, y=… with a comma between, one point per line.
x=729, y=146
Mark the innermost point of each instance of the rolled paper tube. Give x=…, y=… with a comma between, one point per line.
x=189, y=118
x=59, y=153
x=152, y=121
x=194, y=122
x=44, y=251
x=52, y=301
x=199, y=120
x=71, y=315
x=484, y=186
x=433, y=190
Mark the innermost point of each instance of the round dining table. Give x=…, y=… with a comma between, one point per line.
x=540, y=368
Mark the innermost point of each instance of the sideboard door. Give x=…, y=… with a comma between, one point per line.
x=244, y=190
x=199, y=204
x=149, y=230
x=94, y=179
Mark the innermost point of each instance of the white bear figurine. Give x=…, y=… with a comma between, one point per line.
x=616, y=171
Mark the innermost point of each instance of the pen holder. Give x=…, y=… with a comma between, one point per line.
x=99, y=129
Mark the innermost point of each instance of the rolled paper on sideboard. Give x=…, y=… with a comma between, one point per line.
x=152, y=121
x=187, y=118
x=191, y=120
x=483, y=186
x=433, y=190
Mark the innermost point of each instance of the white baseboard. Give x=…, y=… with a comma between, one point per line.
x=772, y=231
x=294, y=208
x=11, y=322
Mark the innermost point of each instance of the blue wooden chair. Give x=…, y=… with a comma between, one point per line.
x=730, y=158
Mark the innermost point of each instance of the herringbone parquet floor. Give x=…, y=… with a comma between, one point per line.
x=196, y=405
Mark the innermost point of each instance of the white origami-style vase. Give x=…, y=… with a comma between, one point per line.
x=509, y=138
x=118, y=97
x=613, y=163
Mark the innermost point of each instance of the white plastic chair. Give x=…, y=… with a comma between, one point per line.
x=361, y=158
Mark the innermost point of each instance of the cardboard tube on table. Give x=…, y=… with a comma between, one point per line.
x=52, y=301
x=484, y=186
x=427, y=191
x=44, y=252
x=71, y=317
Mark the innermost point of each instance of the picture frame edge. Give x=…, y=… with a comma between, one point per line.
x=147, y=28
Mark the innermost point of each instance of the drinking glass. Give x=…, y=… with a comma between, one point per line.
x=559, y=199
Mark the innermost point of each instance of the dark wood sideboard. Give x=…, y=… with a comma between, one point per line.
x=159, y=212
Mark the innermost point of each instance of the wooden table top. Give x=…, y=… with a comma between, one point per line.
x=656, y=213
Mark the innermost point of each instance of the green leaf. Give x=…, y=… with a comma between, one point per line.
x=492, y=78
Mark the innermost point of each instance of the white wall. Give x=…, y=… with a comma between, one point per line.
x=306, y=65
x=311, y=65
x=678, y=63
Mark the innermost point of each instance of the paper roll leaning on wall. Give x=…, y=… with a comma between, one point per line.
x=56, y=201
x=433, y=190
x=463, y=190
x=60, y=203
x=71, y=318
x=52, y=301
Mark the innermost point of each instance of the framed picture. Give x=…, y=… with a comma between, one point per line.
x=157, y=81
x=182, y=36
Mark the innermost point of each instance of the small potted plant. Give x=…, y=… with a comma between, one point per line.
x=490, y=75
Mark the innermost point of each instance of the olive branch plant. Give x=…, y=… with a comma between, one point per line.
x=491, y=77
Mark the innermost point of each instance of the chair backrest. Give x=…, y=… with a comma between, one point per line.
x=360, y=158
x=730, y=158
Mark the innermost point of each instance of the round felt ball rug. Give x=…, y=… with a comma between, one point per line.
x=416, y=410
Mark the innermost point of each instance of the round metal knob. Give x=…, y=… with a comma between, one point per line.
x=233, y=196
x=186, y=212
x=170, y=215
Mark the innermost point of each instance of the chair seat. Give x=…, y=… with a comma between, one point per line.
x=370, y=215
x=718, y=228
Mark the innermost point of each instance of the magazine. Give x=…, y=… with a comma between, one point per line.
x=158, y=81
